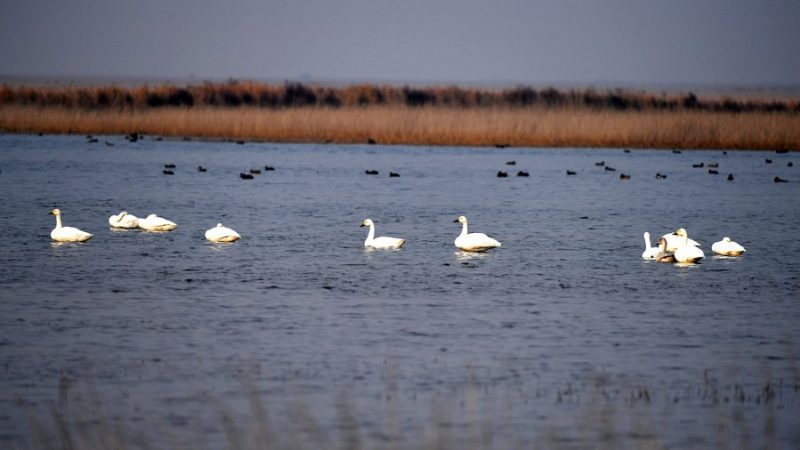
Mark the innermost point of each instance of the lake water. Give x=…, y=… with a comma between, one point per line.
x=563, y=336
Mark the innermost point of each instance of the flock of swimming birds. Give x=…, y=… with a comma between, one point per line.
x=125, y=220
x=471, y=242
x=678, y=248
x=672, y=247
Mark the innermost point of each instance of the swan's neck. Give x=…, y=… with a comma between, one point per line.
x=463, y=229
x=58, y=220
x=371, y=234
x=646, y=240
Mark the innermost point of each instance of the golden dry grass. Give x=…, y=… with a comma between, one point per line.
x=519, y=127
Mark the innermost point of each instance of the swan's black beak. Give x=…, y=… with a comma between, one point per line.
x=50, y=213
x=455, y=220
x=362, y=225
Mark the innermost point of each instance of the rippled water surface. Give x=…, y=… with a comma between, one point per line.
x=538, y=338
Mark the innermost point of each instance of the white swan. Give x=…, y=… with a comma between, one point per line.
x=473, y=242
x=675, y=240
x=726, y=247
x=124, y=220
x=379, y=242
x=67, y=234
x=155, y=223
x=663, y=256
x=687, y=253
x=222, y=234
x=649, y=252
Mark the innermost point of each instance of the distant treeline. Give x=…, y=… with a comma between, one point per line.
x=234, y=94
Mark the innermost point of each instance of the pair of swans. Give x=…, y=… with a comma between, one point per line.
x=150, y=223
x=470, y=242
x=668, y=243
x=673, y=247
x=677, y=247
x=658, y=253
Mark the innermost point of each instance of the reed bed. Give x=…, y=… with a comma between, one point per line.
x=235, y=93
x=430, y=125
x=436, y=115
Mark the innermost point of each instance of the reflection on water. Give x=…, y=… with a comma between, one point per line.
x=686, y=265
x=163, y=321
x=369, y=250
x=467, y=256
x=67, y=245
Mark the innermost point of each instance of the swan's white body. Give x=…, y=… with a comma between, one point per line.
x=674, y=240
x=382, y=241
x=155, y=223
x=473, y=242
x=726, y=247
x=687, y=253
x=67, y=234
x=124, y=220
x=649, y=252
x=222, y=234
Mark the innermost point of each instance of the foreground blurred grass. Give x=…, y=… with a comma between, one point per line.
x=596, y=414
x=519, y=127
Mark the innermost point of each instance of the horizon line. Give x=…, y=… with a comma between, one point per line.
x=20, y=79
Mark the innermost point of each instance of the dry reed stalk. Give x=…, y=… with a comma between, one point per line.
x=520, y=127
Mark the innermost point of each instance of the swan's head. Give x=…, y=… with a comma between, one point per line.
x=662, y=244
x=367, y=223
x=726, y=239
x=123, y=214
x=152, y=216
x=461, y=219
x=680, y=232
x=55, y=212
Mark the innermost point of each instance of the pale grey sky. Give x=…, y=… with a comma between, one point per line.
x=754, y=43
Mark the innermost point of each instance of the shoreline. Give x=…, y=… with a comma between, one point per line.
x=220, y=140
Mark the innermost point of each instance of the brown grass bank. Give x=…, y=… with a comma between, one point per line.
x=429, y=125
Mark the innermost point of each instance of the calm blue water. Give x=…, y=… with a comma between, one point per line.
x=530, y=341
